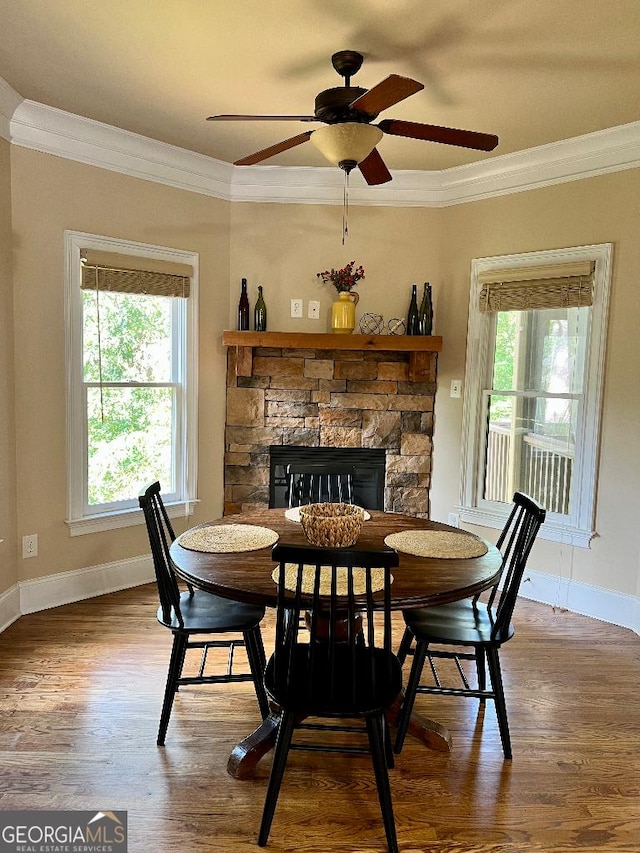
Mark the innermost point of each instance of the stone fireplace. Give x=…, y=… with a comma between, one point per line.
x=365, y=392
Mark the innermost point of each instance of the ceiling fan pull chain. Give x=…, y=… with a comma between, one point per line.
x=345, y=208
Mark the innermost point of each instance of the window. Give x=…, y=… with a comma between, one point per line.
x=533, y=389
x=131, y=367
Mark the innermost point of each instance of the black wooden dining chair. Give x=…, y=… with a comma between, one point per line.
x=472, y=623
x=195, y=612
x=343, y=668
x=318, y=482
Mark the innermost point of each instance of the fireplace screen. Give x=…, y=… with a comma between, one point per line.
x=368, y=463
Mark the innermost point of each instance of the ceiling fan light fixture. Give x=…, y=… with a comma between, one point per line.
x=346, y=144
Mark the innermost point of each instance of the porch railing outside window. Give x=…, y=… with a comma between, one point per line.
x=545, y=467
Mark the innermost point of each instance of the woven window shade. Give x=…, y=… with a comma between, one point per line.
x=107, y=271
x=533, y=288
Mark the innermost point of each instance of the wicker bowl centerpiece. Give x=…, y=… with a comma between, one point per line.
x=332, y=525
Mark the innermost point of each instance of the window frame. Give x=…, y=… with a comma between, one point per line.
x=578, y=528
x=80, y=519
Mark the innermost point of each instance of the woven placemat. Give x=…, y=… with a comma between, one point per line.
x=309, y=574
x=228, y=538
x=437, y=543
x=293, y=514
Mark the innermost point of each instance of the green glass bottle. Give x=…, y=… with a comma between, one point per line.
x=260, y=313
x=413, y=315
x=426, y=311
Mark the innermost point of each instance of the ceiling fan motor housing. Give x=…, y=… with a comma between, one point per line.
x=333, y=105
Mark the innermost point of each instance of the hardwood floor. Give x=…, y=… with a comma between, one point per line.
x=80, y=694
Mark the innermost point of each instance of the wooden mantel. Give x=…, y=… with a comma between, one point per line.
x=417, y=346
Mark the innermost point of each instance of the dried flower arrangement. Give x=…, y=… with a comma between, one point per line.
x=343, y=279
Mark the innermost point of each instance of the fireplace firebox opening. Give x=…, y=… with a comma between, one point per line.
x=368, y=481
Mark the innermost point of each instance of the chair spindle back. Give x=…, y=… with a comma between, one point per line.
x=348, y=595
x=515, y=543
x=161, y=535
x=316, y=483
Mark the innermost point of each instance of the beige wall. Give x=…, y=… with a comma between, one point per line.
x=8, y=548
x=50, y=195
x=599, y=210
x=282, y=247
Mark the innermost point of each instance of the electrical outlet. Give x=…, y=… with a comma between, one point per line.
x=453, y=520
x=30, y=545
x=456, y=388
x=296, y=308
x=314, y=310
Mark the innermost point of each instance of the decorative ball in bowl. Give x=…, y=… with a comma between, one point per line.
x=331, y=525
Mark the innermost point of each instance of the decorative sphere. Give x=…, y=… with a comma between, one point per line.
x=396, y=326
x=371, y=324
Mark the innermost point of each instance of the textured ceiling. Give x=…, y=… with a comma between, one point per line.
x=530, y=71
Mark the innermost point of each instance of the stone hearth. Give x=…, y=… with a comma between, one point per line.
x=329, y=398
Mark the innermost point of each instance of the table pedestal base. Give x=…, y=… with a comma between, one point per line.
x=246, y=755
x=431, y=733
x=250, y=750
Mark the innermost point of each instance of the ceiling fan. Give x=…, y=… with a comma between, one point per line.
x=349, y=138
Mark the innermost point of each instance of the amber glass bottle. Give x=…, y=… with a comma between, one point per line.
x=243, y=308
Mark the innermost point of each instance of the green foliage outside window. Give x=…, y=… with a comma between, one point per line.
x=503, y=363
x=129, y=428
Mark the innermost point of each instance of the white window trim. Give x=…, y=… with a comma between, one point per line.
x=80, y=522
x=581, y=529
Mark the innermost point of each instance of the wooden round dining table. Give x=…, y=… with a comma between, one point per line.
x=418, y=582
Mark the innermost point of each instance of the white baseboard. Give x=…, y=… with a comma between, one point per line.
x=585, y=599
x=9, y=607
x=66, y=587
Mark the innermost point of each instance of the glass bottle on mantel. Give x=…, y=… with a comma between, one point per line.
x=260, y=313
x=426, y=311
x=413, y=315
x=243, y=308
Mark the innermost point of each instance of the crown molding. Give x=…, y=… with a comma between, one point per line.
x=53, y=131
x=9, y=102
x=599, y=153
x=323, y=185
x=84, y=140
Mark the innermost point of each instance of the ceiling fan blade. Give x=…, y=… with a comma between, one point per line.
x=434, y=133
x=260, y=118
x=388, y=92
x=374, y=170
x=278, y=148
